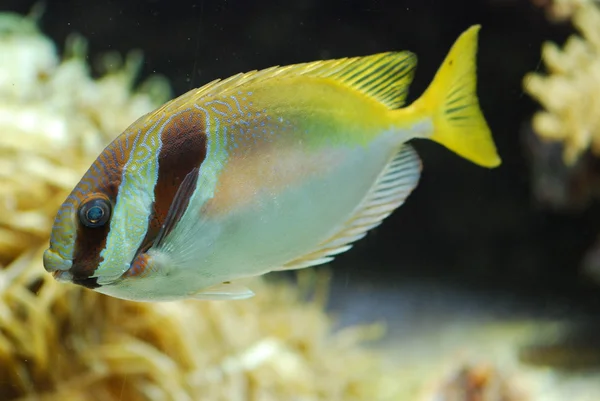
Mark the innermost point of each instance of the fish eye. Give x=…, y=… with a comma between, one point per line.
x=94, y=213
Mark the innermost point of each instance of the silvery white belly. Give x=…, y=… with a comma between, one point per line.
x=280, y=226
x=265, y=229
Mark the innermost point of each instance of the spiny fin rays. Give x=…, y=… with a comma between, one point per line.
x=392, y=188
x=384, y=77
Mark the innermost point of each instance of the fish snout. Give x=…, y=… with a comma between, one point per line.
x=57, y=265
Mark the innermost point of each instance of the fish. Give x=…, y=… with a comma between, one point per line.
x=270, y=170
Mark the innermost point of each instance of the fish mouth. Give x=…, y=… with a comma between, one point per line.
x=57, y=265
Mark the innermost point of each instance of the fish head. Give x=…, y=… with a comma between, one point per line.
x=127, y=202
x=78, y=236
x=83, y=222
x=122, y=205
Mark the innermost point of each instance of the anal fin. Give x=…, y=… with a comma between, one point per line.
x=390, y=191
x=223, y=292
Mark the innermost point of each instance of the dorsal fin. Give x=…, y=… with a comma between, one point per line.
x=389, y=192
x=384, y=77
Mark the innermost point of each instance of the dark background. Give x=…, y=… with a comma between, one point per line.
x=464, y=225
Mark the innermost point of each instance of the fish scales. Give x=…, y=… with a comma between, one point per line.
x=277, y=169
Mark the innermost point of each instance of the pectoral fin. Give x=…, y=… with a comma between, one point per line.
x=180, y=202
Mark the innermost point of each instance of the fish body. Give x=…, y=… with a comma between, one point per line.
x=269, y=170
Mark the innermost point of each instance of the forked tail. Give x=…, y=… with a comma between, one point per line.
x=451, y=101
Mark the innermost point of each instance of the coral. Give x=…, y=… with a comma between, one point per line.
x=571, y=123
x=570, y=92
x=478, y=383
x=561, y=10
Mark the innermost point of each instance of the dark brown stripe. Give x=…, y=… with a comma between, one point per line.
x=183, y=150
x=87, y=282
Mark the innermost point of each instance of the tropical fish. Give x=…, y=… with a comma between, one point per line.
x=268, y=170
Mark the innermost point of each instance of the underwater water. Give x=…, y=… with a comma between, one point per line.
x=479, y=269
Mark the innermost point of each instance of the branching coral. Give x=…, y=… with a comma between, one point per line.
x=570, y=93
x=560, y=10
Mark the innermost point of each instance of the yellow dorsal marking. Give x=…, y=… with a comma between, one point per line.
x=384, y=77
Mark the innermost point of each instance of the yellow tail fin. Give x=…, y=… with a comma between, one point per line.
x=451, y=100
